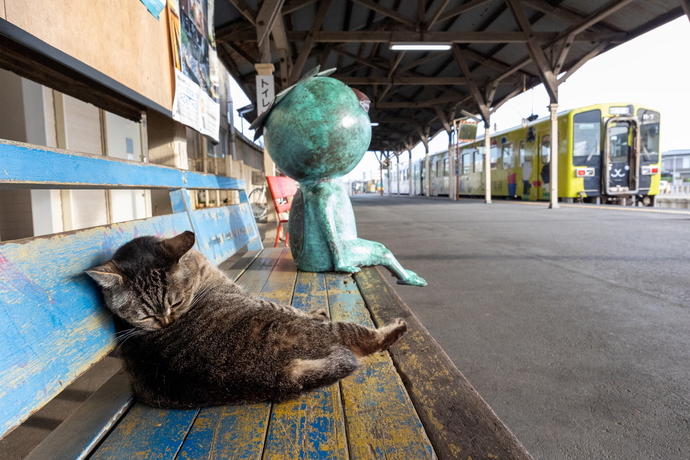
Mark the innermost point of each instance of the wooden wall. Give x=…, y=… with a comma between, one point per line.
x=119, y=38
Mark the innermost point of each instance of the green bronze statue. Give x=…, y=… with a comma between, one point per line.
x=317, y=131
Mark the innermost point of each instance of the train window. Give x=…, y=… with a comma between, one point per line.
x=438, y=168
x=586, y=136
x=523, y=154
x=649, y=132
x=466, y=163
x=507, y=156
x=620, y=142
x=494, y=156
x=478, y=160
x=446, y=167
x=545, y=148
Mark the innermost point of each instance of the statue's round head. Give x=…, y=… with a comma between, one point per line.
x=319, y=130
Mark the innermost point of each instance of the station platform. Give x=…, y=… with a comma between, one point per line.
x=673, y=201
x=572, y=323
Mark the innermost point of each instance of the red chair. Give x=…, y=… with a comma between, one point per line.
x=282, y=190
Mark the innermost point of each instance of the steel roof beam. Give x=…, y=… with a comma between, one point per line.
x=462, y=8
x=545, y=71
x=382, y=36
x=295, y=5
x=309, y=41
x=387, y=12
x=567, y=15
x=402, y=81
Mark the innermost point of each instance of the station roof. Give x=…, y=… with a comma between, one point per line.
x=499, y=48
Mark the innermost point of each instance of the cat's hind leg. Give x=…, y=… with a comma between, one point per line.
x=309, y=374
x=364, y=341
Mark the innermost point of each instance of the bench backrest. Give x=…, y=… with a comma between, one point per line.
x=281, y=187
x=53, y=323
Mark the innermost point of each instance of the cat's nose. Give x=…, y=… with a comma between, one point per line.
x=164, y=320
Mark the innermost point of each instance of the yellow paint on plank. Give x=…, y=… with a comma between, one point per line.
x=458, y=419
x=240, y=431
x=381, y=420
x=311, y=426
x=281, y=283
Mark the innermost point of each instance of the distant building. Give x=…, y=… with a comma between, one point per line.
x=676, y=164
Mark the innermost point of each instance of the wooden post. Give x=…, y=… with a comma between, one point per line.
x=487, y=160
x=553, y=164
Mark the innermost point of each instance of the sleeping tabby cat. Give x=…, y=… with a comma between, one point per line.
x=191, y=337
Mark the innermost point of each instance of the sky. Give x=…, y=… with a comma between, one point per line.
x=652, y=70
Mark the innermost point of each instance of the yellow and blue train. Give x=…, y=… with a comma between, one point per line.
x=606, y=153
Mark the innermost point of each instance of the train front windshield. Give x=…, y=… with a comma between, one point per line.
x=586, y=137
x=649, y=131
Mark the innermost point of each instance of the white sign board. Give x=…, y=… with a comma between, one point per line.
x=265, y=92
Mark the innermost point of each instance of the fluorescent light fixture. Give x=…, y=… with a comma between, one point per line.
x=374, y=123
x=420, y=46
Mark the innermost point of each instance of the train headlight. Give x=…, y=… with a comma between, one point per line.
x=650, y=170
x=584, y=172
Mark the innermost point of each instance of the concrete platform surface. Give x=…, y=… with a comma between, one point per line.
x=573, y=323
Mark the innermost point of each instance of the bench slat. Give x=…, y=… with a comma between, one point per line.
x=240, y=431
x=235, y=267
x=227, y=432
x=464, y=426
x=147, y=433
x=381, y=420
x=254, y=278
x=86, y=426
x=64, y=169
x=312, y=426
x=54, y=322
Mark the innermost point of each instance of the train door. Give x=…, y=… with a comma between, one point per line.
x=621, y=162
x=542, y=169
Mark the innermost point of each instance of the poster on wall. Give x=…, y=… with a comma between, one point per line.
x=196, y=65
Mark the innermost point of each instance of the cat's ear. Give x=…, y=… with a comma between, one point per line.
x=106, y=275
x=179, y=245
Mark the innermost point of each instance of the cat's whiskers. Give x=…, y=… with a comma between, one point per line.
x=123, y=336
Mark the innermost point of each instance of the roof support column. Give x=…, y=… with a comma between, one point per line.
x=548, y=75
x=686, y=7
x=484, y=108
x=410, y=175
x=452, y=154
x=487, y=159
x=553, y=164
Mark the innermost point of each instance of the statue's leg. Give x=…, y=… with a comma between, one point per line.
x=364, y=253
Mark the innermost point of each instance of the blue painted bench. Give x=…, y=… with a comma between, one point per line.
x=411, y=403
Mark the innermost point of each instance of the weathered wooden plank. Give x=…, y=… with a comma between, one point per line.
x=234, y=267
x=147, y=433
x=64, y=169
x=311, y=427
x=52, y=315
x=459, y=422
x=220, y=232
x=227, y=432
x=281, y=283
x=240, y=431
x=224, y=231
x=86, y=426
x=254, y=278
x=380, y=418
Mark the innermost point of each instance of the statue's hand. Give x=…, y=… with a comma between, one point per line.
x=412, y=279
x=348, y=269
